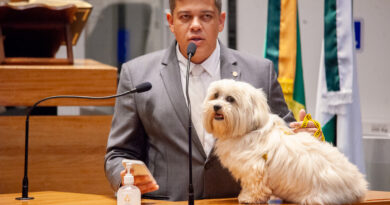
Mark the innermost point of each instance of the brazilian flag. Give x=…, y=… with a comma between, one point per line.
x=283, y=48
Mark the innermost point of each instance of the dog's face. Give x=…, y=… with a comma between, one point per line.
x=232, y=109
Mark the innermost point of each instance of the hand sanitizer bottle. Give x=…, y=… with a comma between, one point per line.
x=128, y=194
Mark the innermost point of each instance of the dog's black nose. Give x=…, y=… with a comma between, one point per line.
x=217, y=107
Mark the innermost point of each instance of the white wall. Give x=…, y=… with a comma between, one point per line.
x=373, y=60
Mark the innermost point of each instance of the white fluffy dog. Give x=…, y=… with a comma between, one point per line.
x=262, y=152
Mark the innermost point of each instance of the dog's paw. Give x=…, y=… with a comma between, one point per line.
x=249, y=198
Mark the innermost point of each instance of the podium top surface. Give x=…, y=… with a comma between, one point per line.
x=78, y=64
x=52, y=197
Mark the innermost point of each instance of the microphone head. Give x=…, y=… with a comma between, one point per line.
x=191, y=49
x=143, y=87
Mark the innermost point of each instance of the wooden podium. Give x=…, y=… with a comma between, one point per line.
x=66, y=153
x=50, y=197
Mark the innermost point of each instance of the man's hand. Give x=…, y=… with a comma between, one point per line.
x=143, y=182
x=297, y=126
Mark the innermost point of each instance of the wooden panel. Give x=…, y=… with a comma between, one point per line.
x=23, y=85
x=66, y=153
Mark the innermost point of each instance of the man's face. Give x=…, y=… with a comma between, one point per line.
x=196, y=21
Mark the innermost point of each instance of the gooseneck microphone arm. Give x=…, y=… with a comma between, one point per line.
x=191, y=49
x=138, y=89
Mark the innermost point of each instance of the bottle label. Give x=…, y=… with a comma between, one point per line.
x=127, y=200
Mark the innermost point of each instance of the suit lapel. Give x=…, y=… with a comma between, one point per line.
x=170, y=75
x=229, y=68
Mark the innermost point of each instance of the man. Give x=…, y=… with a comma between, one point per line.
x=152, y=126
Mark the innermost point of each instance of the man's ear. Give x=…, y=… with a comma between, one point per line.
x=170, y=22
x=221, y=20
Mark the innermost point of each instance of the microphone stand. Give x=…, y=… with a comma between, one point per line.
x=190, y=185
x=140, y=88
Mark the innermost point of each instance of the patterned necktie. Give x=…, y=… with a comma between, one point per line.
x=197, y=95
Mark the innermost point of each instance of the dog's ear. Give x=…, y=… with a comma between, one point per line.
x=261, y=109
x=207, y=109
x=207, y=118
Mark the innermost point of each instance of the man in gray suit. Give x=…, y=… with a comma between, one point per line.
x=152, y=126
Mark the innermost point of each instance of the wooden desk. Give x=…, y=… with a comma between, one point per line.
x=66, y=153
x=50, y=197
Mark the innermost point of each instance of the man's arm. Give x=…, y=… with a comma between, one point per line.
x=127, y=139
x=276, y=98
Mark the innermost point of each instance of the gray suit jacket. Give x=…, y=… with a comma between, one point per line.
x=152, y=126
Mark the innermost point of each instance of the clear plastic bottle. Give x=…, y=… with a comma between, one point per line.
x=128, y=194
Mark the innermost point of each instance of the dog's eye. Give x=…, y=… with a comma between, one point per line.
x=230, y=99
x=216, y=95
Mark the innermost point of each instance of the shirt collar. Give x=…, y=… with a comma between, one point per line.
x=211, y=64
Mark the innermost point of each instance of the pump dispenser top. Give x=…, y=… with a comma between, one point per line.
x=128, y=179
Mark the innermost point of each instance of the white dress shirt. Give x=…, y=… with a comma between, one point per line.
x=201, y=75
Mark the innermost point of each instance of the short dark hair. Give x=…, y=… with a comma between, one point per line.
x=172, y=5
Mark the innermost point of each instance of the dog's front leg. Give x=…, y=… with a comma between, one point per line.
x=254, y=189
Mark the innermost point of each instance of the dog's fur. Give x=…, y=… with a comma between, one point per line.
x=262, y=152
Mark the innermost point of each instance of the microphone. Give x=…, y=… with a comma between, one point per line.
x=191, y=49
x=143, y=87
